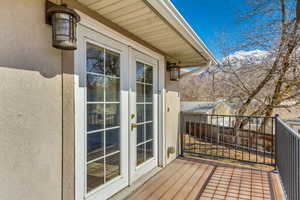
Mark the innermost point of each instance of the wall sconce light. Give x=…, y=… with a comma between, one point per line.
x=64, y=22
x=174, y=71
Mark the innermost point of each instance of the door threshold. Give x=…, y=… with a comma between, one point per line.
x=123, y=194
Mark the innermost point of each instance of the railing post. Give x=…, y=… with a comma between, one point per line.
x=182, y=130
x=276, y=142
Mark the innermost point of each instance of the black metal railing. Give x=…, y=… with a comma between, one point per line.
x=254, y=139
x=244, y=138
x=288, y=159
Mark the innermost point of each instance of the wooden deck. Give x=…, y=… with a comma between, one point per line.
x=189, y=179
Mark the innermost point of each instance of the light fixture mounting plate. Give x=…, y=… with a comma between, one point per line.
x=49, y=5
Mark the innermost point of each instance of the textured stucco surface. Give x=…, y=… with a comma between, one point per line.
x=32, y=128
x=68, y=126
x=172, y=116
x=30, y=104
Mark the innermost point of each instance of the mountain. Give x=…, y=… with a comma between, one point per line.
x=231, y=80
x=199, y=85
x=238, y=59
x=247, y=57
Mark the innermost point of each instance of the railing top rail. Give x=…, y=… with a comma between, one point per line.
x=244, y=116
x=290, y=130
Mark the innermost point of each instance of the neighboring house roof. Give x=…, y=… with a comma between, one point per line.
x=200, y=107
x=296, y=120
x=158, y=24
x=288, y=114
x=219, y=107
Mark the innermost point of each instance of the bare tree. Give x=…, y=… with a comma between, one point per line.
x=284, y=50
x=274, y=82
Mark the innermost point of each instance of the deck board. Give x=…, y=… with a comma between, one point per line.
x=156, y=181
x=164, y=188
x=192, y=188
x=181, y=182
x=200, y=184
x=189, y=179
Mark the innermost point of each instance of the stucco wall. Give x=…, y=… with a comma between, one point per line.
x=30, y=104
x=172, y=116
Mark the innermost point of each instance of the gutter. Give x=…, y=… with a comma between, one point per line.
x=198, y=70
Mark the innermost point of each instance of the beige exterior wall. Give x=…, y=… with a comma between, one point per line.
x=30, y=104
x=172, y=117
x=37, y=108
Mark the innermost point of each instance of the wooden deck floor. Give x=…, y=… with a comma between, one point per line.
x=189, y=179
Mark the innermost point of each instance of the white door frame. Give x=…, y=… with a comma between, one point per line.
x=93, y=24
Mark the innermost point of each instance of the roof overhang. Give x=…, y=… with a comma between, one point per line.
x=156, y=23
x=169, y=12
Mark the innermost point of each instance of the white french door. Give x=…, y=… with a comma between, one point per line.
x=101, y=115
x=144, y=112
x=116, y=108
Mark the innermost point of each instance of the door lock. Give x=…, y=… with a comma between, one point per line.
x=133, y=125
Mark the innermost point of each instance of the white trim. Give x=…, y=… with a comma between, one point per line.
x=79, y=156
x=103, y=129
x=162, y=113
x=130, y=142
x=98, y=74
x=110, y=154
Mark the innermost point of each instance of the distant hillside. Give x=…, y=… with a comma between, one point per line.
x=211, y=84
x=222, y=81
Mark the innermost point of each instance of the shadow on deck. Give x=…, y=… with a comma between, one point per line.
x=195, y=178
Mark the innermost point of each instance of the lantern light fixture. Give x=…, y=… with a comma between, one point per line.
x=174, y=71
x=64, y=22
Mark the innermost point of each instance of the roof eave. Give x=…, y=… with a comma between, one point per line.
x=167, y=10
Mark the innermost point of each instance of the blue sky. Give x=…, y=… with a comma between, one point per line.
x=208, y=18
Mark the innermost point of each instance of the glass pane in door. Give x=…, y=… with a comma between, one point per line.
x=103, y=116
x=144, y=109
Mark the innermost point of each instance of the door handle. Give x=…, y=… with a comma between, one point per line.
x=133, y=125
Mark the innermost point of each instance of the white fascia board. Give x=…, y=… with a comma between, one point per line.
x=167, y=10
